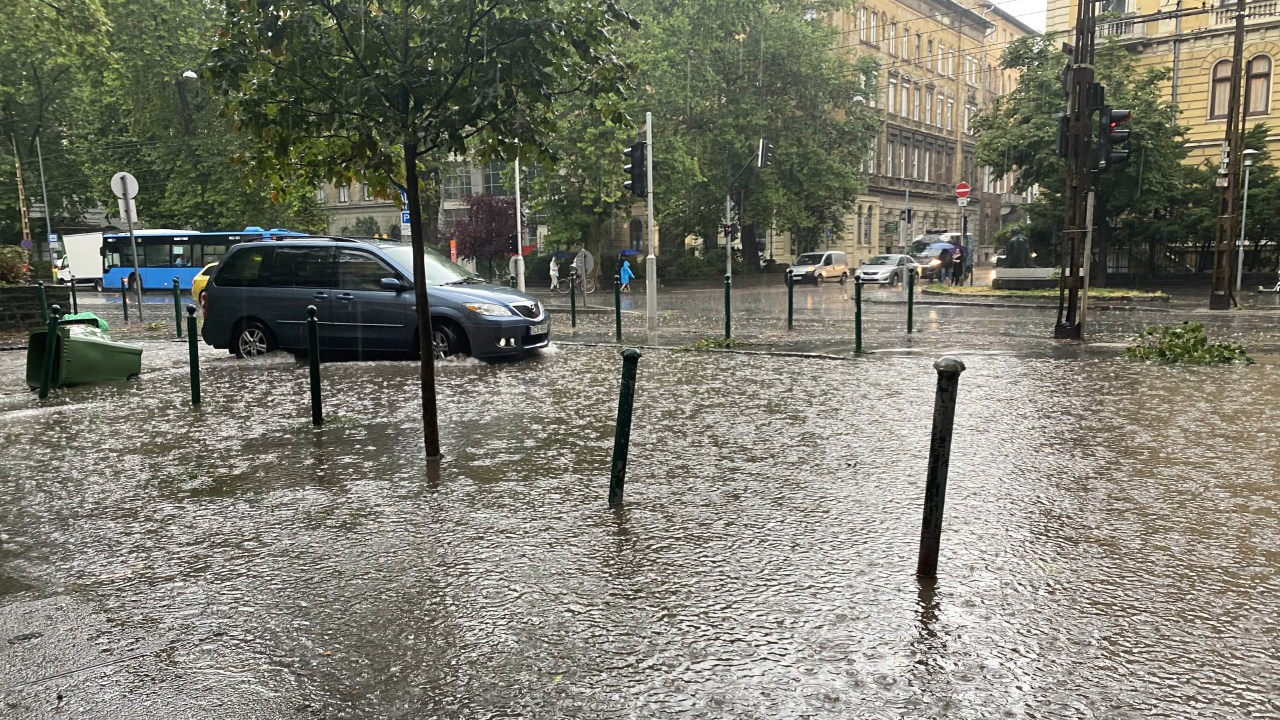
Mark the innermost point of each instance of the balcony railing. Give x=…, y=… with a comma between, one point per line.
x=1226, y=15
x=1122, y=28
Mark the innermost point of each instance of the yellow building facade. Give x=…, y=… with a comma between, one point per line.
x=939, y=67
x=1197, y=48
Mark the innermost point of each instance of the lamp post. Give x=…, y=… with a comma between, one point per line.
x=1244, y=213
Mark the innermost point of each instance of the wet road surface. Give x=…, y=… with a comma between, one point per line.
x=1109, y=546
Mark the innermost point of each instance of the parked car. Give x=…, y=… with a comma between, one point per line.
x=200, y=280
x=887, y=269
x=820, y=267
x=256, y=302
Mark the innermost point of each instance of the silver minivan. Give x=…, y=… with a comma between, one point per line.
x=821, y=266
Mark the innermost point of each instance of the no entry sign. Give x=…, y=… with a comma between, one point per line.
x=962, y=190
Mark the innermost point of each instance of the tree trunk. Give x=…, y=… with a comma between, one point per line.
x=426, y=348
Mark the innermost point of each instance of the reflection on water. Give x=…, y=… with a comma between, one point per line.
x=1108, y=548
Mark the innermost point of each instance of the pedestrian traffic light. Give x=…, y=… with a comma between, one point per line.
x=636, y=170
x=1112, y=134
x=728, y=231
x=764, y=156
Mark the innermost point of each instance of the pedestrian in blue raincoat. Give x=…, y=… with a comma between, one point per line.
x=626, y=275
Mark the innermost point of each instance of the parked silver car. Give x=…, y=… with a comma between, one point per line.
x=887, y=269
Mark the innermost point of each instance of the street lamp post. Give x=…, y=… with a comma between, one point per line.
x=1244, y=213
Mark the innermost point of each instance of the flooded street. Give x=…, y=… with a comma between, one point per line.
x=1109, y=546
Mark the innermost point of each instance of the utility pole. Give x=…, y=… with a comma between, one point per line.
x=1221, y=296
x=44, y=196
x=1080, y=90
x=651, y=261
x=22, y=198
x=519, y=234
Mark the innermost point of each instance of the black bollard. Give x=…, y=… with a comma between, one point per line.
x=313, y=355
x=573, y=297
x=75, y=302
x=857, y=314
x=617, y=307
x=124, y=299
x=193, y=353
x=911, y=299
x=935, y=489
x=177, y=308
x=50, y=349
x=791, y=295
x=44, y=302
x=728, y=282
x=622, y=431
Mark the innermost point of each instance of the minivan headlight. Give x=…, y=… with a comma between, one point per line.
x=492, y=309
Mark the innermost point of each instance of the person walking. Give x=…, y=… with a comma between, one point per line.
x=555, y=272
x=957, y=266
x=626, y=275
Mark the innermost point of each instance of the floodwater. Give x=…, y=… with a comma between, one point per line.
x=1109, y=545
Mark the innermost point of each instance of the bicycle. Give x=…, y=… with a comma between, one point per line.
x=586, y=285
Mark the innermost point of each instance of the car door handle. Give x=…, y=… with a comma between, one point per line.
x=321, y=296
x=346, y=297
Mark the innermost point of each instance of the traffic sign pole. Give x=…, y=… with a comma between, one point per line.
x=125, y=186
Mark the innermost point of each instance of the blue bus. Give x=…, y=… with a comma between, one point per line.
x=166, y=254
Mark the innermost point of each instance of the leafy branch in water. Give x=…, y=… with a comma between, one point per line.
x=1184, y=343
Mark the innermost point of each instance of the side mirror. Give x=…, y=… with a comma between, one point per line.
x=393, y=284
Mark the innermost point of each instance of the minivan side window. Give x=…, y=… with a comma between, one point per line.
x=361, y=271
x=827, y=260
x=302, y=267
x=244, y=269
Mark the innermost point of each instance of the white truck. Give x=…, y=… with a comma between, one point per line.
x=81, y=259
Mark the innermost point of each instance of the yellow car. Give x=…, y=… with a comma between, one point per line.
x=199, y=281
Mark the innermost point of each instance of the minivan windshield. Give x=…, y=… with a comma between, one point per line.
x=440, y=270
x=810, y=259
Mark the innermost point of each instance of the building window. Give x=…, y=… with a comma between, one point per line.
x=915, y=104
x=872, y=32
x=903, y=107
x=950, y=113
x=892, y=33
x=493, y=178
x=344, y=194
x=320, y=198
x=928, y=60
x=889, y=155
x=902, y=161
x=893, y=94
x=938, y=111
x=1259, y=85
x=862, y=24
x=1221, y=93
x=915, y=163
x=365, y=194
x=928, y=166
x=456, y=184
x=928, y=106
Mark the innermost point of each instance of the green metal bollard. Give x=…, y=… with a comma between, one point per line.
x=50, y=349
x=75, y=302
x=313, y=355
x=617, y=307
x=177, y=308
x=728, y=282
x=935, y=489
x=791, y=297
x=857, y=314
x=44, y=301
x=911, y=301
x=573, y=297
x=124, y=299
x=193, y=352
x=622, y=431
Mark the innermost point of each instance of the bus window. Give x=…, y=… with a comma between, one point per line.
x=180, y=257
x=204, y=254
x=155, y=255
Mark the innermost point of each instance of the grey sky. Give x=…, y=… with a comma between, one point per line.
x=1030, y=12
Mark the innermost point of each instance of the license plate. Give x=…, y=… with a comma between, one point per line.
x=540, y=329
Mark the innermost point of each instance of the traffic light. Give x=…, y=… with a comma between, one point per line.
x=764, y=156
x=1112, y=134
x=636, y=170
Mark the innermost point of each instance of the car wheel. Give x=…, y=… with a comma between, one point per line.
x=97, y=286
x=254, y=339
x=893, y=280
x=444, y=341
x=817, y=278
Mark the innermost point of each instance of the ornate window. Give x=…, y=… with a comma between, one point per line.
x=1220, y=93
x=1258, y=88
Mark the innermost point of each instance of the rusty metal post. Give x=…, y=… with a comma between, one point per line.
x=935, y=489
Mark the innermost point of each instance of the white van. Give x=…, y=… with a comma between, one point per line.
x=821, y=266
x=81, y=259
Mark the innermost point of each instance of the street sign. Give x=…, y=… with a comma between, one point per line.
x=891, y=227
x=405, y=230
x=26, y=244
x=128, y=210
x=404, y=217
x=962, y=201
x=962, y=190
x=124, y=185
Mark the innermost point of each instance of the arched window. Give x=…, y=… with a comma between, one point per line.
x=1259, y=85
x=1220, y=94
